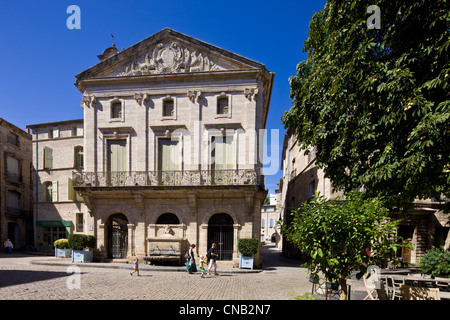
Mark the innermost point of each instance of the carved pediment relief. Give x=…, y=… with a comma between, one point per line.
x=170, y=57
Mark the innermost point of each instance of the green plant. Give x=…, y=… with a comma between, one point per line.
x=248, y=247
x=306, y=296
x=81, y=241
x=344, y=235
x=435, y=262
x=61, y=244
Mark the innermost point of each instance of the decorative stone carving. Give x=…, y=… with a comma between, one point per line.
x=194, y=95
x=141, y=98
x=251, y=93
x=169, y=58
x=89, y=100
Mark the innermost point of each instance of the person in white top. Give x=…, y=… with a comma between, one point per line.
x=8, y=245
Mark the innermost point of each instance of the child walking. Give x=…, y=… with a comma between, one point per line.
x=136, y=267
x=202, y=265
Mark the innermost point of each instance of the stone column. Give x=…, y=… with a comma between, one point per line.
x=101, y=243
x=131, y=238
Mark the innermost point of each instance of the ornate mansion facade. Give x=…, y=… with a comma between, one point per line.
x=171, y=150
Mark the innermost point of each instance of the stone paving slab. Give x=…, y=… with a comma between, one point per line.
x=42, y=278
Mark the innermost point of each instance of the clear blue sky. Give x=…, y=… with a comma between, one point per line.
x=40, y=56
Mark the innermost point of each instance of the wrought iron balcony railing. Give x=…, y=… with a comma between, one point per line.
x=168, y=178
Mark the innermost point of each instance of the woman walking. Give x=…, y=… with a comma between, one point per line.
x=191, y=267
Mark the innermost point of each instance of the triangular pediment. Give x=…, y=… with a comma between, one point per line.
x=167, y=52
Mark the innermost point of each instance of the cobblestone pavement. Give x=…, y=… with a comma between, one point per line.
x=281, y=279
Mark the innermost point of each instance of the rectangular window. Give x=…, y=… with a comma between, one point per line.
x=222, y=153
x=55, y=133
x=168, y=161
x=263, y=222
x=168, y=155
x=222, y=105
x=116, y=110
x=117, y=155
x=13, y=205
x=13, y=139
x=222, y=160
x=77, y=131
x=78, y=157
x=79, y=226
x=13, y=170
x=168, y=108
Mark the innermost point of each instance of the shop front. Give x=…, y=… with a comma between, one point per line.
x=50, y=231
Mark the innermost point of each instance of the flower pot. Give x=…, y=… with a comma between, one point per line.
x=82, y=256
x=62, y=253
x=245, y=262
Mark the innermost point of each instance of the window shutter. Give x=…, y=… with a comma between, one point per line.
x=56, y=132
x=48, y=158
x=80, y=131
x=55, y=191
x=70, y=190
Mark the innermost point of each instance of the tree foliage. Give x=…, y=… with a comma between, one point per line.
x=375, y=102
x=342, y=236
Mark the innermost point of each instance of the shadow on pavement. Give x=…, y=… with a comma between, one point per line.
x=15, y=277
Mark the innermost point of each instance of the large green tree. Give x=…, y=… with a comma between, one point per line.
x=343, y=236
x=375, y=102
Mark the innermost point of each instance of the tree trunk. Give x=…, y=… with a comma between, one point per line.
x=343, y=284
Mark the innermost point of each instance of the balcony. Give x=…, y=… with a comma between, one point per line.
x=239, y=177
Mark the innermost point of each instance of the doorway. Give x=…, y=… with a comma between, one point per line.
x=220, y=232
x=13, y=233
x=117, y=236
x=406, y=232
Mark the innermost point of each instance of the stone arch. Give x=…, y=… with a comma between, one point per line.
x=105, y=216
x=167, y=210
x=212, y=212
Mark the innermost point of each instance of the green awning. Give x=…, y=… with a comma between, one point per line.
x=61, y=223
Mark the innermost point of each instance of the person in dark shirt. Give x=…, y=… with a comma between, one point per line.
x=212, y=256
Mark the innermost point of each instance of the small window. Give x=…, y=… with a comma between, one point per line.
x=79, y=226
x=168, y=108
x=13, y=169
x=13, y=139
x=48, y=191
x=168, y=218
x=53, y=133
x=116, y=110
x=77, y=131
x=222, y=105
x=78, y=157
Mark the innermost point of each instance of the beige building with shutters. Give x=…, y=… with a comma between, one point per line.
x=57, y=152
x=171, y=150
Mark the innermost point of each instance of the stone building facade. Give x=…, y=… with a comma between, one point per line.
x=426, y=225
x=171, y=152
x=57, y=152
x=270, y=215
x=16, y=219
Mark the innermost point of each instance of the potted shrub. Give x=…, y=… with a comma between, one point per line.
x=79, y=243
x=62, y=248
x=247, y=248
